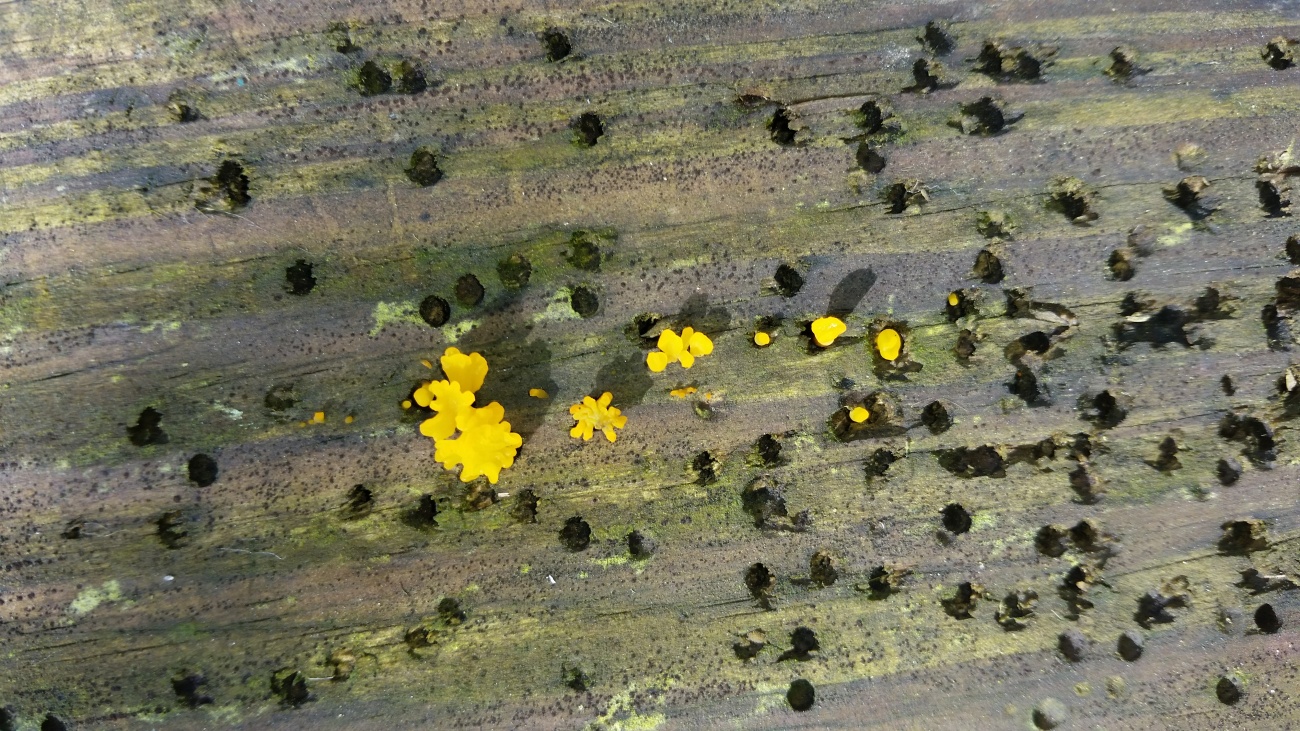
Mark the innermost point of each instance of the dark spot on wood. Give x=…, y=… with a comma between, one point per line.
x=963, y=601
x=1280, y=53
x=872, y=116
x=870, y=158
x=1016, y=609
x=147, y=430
x=803, y=642
x=768, y=450
x=435, y=311
x=964, y=348
x=1154, y=606
x=1072, y=198
x=1124, y=64
x=640, y=546
x=587, y=129
x=885, y=580
x=1257, y=436
x=556, y=43
x=1121, y=265
x=576, y=534
x=903, y=195
x=1274, y=195
x=1244, y=536
x=584, y=301
x=1228, y=470
x=373, y=79
x=515, y=271
x=525, y=508
x=821, y=567
x=779, y=127
x=879, y=462
x=760, y=582
x=994, y=224
x=788, y=280
x=202, y=470
x=291, y=686
x=956, y=519
x=936, y=418
x=750, y=644
x=469, y=290
x=358, y=503
x=575, y=678
x=985, y=117
x=423, y=515
x=584, y=252
x=929, y=75
x=299, y=278
x=169, y=527
x=187, y=688
x=988, y=267
x=53, y=723
x=1106, y=409
x=801, y=695
x=1013, y=63
x=1130, y=645
x=937, y=38
x=704, y=469
x=1086, y=484
x=1072, y=645
x=1229, y=689
x=409, y=78
x=280, y=398
x=981, y=461
x=423, y=168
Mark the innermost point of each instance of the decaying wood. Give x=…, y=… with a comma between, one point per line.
x=219, y=219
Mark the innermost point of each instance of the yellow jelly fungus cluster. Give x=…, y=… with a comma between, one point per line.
x=889, y=344
x=762, y=339
x=674, y=348
x=485, y=445
x=953, y=299
x=826, y=329
x=682, y=392
x=859, y=414
x=595, y=415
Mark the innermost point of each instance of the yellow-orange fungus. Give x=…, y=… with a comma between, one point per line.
x=859, y=414
x=349, y=419
x=448, y=401
x=889, y=343
x=762, y=339
x=682, y=392
x=318, y=417
x=426, y=364
x=484, y=447
x=826, y=329
x=674, y=348
x=538, y=393
x=467, y=370
x=406, y=404
x=952, y=299
x=595, y=415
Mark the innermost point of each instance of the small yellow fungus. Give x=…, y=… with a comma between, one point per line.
x=318, y=417
x=826, y=329
x=762, y=339
x=448, y=401
x=682, y=392
x=426, y=364
x=349, y=419
x=595, y=415
x=953, y=299
x=889, y=343
x=484, y=447
x=406, y=403
x=859, y=414
x=538, y=393
x=674, y=348
x=467, y=370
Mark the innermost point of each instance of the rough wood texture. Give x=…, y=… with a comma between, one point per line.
x=139, y=273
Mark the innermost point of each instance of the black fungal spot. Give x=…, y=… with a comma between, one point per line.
x=1229, y=689
x=359, y=502
x=1257, y=436
x=575, y=678
x=280, y=398
x=423, y=515
x=231, y=183
x=1167, y=325
x=183, y=113
x=904, y=195
x=988, y=267
x=186, y=687
x=202, y=470
x=885, y=580
x=981, y=461
x=936, y=418
x=750, y=644
x=965, y=305
x=340, y=35
x=768, y=449
x=872, y=116
x=1279, y=53
x=291, y=686
x=1086, y=484
x=1121, y=266
x=1130, y=645
x=1124, y=64
x=801, y=695
x=1293, y=248
x=450, y=612
x=984, y=117
x=1154, y=606
x=1244, y=536
x=1035, y=342
x=410, y=79
x=1189, y=195
x=929, y=75
x=435, y=310
x=373, y=79
x=1016, y=609
x=869, y=158
x=964, y=347
x=779, y=127
x=515, y=271
x=423, y=169
x=1106, y=409
x=760, y=581
x=803, y=642
x=994, y=224
x=584, y=252
x=1024, y=383
x=556, y=43
x=147, y=430
x=1004, y=63
x=821, y=567
x=469, y=290
x=299, y=278
x=169, y=527
x=1274, y=196
x=1266, y=619
x=73, y=530
x=53, y=723
x=788, y=280
x=584, y=301
x=1072, y=645
x=962, y=603
x=1050, y=540
x=879, y=462
x=587, y=129
x=704, y=469
x=1071, y=197
x=764, y=501
x=576, y=534
x=639, y=329
x=956, y=519
x=885, y=416
x=1050, y=713
x=640, y=545
x=937, y=38
x=8, y=719
x=525, y=508
x=1228, y=470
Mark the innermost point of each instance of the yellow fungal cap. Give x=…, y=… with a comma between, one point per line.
x=762, y=339
x=449, y=402
x=953, y=299
x=406, y=404
x=682, y=392
x=467, y=370
x=318, y=417
x=538, y=393
x=595, y=415
x=484, y=447
x=349, y=419
x=674, y=348
x=859, y=414
x=889, y=343
x=826, y=329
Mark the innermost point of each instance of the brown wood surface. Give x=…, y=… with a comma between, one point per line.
x=129, y=283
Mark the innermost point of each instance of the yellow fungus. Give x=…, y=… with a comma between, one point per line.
x=859, y=414
x=889, y=343
x=953, y=299
x=318, y=417
x=762, y=339
x=538, y=393
x=448, y=401
x=426, y=364
x=674, y=348
x=682, y=392
x=595, y=415
x=467, y=370
x=406, y=404
x=484, y=447
x=826, y=329
x=349, y=419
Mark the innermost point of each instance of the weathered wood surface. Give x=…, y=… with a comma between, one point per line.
x=126, y=285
